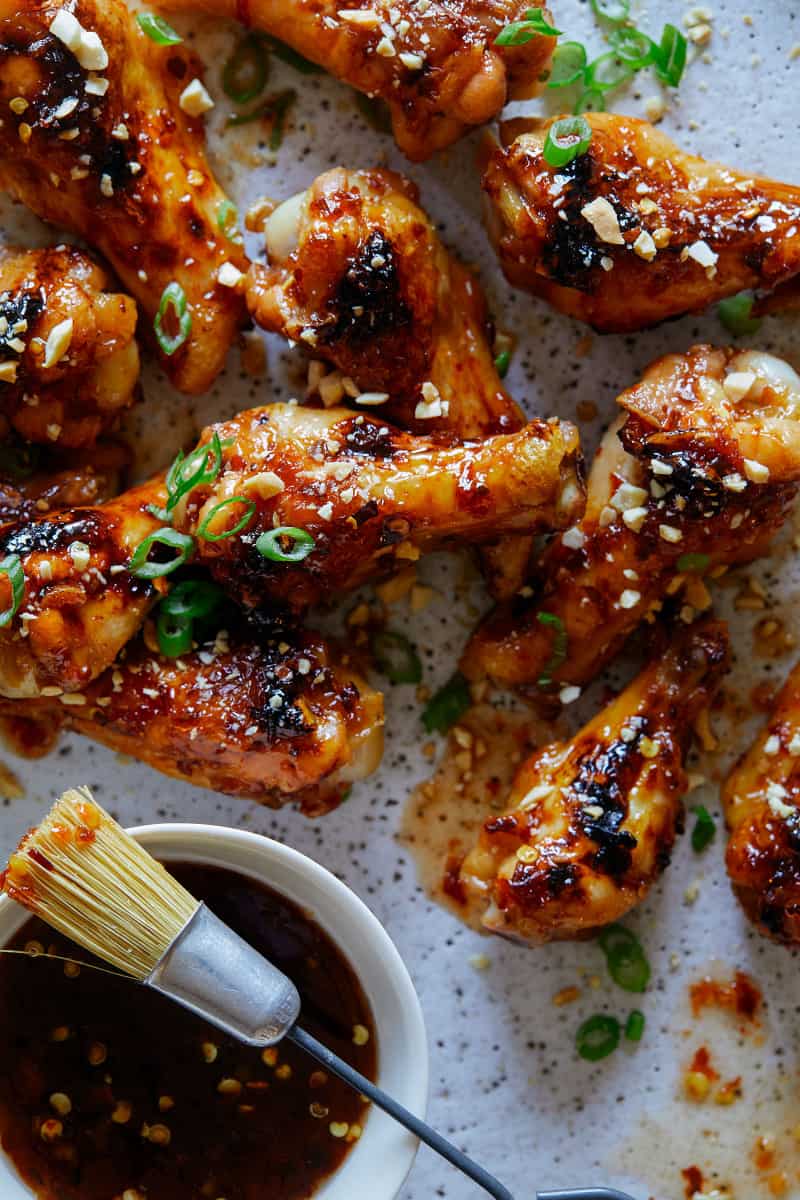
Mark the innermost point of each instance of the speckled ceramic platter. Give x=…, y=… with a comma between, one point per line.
x=506, y=1081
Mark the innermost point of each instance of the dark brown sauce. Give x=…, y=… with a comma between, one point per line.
x=108, y=1045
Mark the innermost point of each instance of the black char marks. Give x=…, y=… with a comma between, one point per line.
x=368, y=301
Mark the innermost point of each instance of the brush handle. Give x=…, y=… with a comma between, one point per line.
x=419, y=1128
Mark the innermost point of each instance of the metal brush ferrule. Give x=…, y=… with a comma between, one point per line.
x=213, y=972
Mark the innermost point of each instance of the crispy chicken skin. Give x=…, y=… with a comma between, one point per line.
x=268, y=717
x=591, y=822
x=436, y=66
x=370, y=495
x=81, y=604
x=672, y=233
x=69, y=363
x=701, y=474
x=357, y=274
x=31, y=487
x=761, y=799
x=124, y=168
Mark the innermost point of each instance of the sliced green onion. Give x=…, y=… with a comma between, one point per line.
x=447, y=706
x=158, y=30
x=502, y=363
x=142, y=568
x=288, y=55
x=375, y=112
x=202, y=532
x=598, y=1037
x=569, y=60
x=173, y=298
x=395, y=657
x=634, y=1026
x=227, y=216
x=279, y=110
x=705, y=829
x=589, y=101
x=11, y=566
x=607, y=72
x=693, y=562
x=560, y=646
x=269, y=545
x=615, y=11
x=244, y=75
x=669, y=59
x=735, y=313
x=193, y=470
x=192, y=599
x=175, y=634
x=625, y=958
x=160, y=514
x=633, y=47
x=519, y=33
x=566, y=139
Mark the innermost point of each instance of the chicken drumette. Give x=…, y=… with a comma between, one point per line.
x=634, y=231
x=102, y=135
x=761, y=799
x=68, y=359
x=591, y=822
x=358, y=275
x=700, y=474
x=435, y=64
x=354, y=496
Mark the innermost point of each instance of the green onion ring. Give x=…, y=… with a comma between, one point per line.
x=248, y=59
x=173, y=297
x=269, y=546
x=11, y=566
x=634, y=1026
x=202, y=531
x=735, y=313
x=601, y=75
x=192, y=599
x=447, y=706
x=633, y=47
x=566, y=139
x=615, y=11
x=669, y=59
x=569, y=61
x=589, y=101
x=175, y=634
x=143, y=569
x=158, y=30
x=598, y=1037
x=705, y=829
x=193, y=470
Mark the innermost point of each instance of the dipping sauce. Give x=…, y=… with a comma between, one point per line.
x=108, y=1090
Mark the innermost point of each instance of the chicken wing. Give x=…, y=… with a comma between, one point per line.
x=79, y=604
x=269, y=718
x=358, y=275
x=761, y=799
x=435, y=64
x=701, y=474
x=68, y=359
x=364, y=497
x=591, y=822
x=634, y=231
x=98, y=137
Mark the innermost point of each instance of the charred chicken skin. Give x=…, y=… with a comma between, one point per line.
x=358, y=275
x=98, y=137
x=436, y=65
x=634, y=230
x=591, y=822
x=761, y=799
x=269, y=717
x=701, y=474
x=370, y=496
x=69, y=363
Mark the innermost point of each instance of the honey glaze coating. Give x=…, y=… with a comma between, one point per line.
x=97, y=138
x=591, y=822
x=105, y=1086
x=435, y=64
x=634, y=230
x=69, y=364
x=761, y=799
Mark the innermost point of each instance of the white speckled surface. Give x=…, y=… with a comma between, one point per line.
x=506, y=1083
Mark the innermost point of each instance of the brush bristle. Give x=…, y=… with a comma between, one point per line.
x=84, y=875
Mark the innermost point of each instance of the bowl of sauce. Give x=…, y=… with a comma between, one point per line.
x=109, y=1091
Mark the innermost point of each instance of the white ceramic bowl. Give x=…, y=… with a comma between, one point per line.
x=379, y=1162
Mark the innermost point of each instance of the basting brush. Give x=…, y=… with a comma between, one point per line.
x=82, y=874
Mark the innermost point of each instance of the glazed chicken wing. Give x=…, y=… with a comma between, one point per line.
x=761, y=798
x=591, y=822
x=435, y=64
x=357, y=274
x=268, y=718
x=367, y=495
x=701, y=474
x=69, y=363
x=634, y=231
x=98, y=137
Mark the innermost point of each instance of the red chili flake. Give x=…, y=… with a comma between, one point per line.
x=702, y=1064
x=694, y=1181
